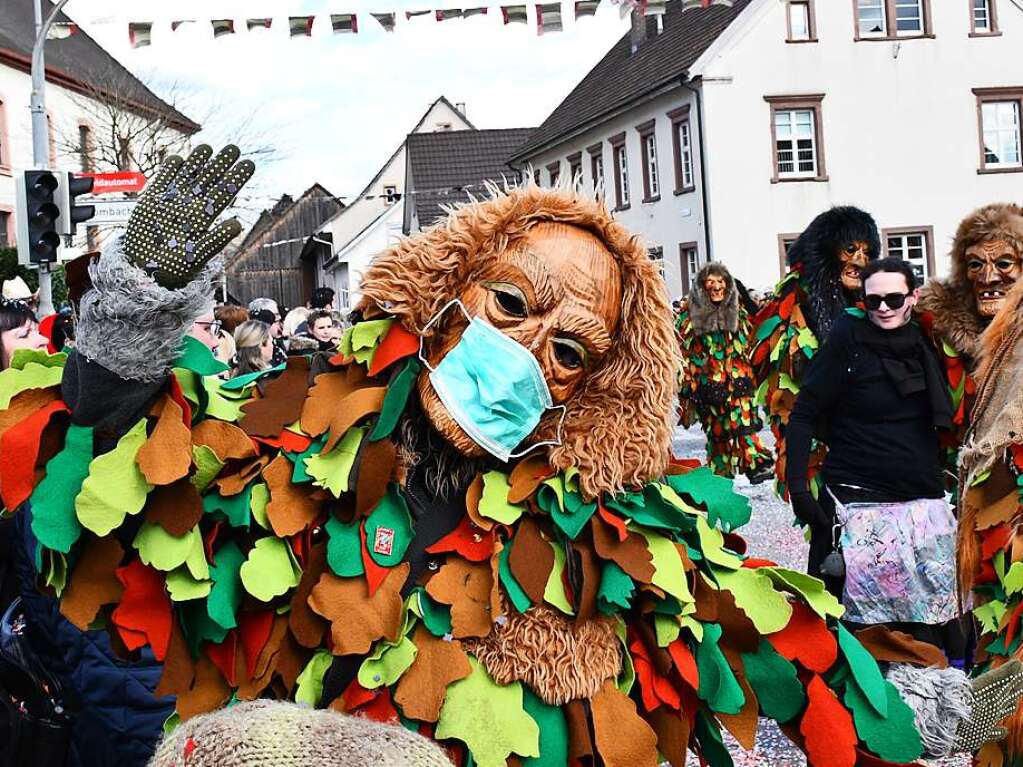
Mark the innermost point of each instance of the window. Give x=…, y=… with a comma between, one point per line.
x=443, y=126
x=391, y=195
x=554, y=172
x=596, y=152
x=651, y=179
x=689, y=259
x=682, y=149
x=889, y=19
x=983, y=18
x=656, y=254
x=785, y=241
x=621, y=169
x=999, y=112
x=797, y=138
x=5, y=150
x=85, y=147
x=914, y=246
x=801, y=22
x=343, y=288
x=575, y=167
x=536, y=177
x=5, y=229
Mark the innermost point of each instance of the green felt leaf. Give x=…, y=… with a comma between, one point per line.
x=864, y=669
x=115, y=486
x=718, y=685
x=767, y=326
x=712, y=546
x=775, y=682
x=269, y=570
x=331, y=470
x=520, y=601
x=553, y=732
x=554, y=591
x=725, y=507
x=197, y=625
x=237, y=509
x=755, y=595
x=207, y=464
x=23, y=357
x=259, y=498
x=395, y=400
x=54, y=522
x=310, y=681
x=344, y=548
x=809, y=588
x=32, y=376
x=386, y=665
x=389, y=521
x=226, y=408
x=568, y=511
x=552, y=490
x=489, y=718
x=668, y=572
x=894, y=737
x=183, y=587
x=989, y=615
x=299, y=474
x=1013, y=580
x=365, y=336
x=194, y=355
x=494, y=501
x=807, y=340
x=667, y=629
x=436, y=617
x=163, y=551
x=240, y=382
x=54, y=571
x=712, y=746
x=226, y=593
x=616, y=588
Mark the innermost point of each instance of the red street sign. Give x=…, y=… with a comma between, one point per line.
x=116, y=183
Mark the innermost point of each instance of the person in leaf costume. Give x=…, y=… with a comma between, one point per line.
x=714, y=331
x=823, y=280
x=465, y=522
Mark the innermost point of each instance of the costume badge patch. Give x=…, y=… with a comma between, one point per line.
x=383, y=543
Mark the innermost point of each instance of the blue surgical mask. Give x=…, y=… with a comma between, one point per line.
x=492, y=386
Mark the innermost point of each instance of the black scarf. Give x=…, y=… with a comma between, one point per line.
x=911, y=365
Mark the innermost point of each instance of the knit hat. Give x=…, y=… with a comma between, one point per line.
x=266, y=733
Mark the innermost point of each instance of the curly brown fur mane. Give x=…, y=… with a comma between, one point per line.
x=618, y=425
x=954, y=309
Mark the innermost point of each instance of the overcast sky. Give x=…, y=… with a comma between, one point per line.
x=336, y=106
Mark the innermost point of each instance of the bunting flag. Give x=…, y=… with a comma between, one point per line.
x=251, y=24
x=444, y=15
x=548, y=18
x=514, y=14
x=344, y=23
x=140, y=33
x=409, y=15
x=474, y=12
x=301, y=26
x=61, y=30
x=222, y=27
x=586, y=8
x=176, y=25
x=386, y=20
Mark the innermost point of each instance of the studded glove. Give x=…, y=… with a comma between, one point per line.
x=995, y=696
x=169, y=233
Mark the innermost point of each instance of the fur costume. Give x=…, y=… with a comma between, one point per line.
x=791, y=328
x=280, y=535
x=715, y=341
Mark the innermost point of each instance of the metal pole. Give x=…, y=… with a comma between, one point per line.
x=40, y=129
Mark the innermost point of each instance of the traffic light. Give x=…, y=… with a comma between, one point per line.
x=71, y=215
x=37, y=213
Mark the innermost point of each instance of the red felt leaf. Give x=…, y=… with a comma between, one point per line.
x=144, y=614
x=1013, y=625
x=654, y=689
x=806, y=639
x=380, y=708
x=754, y=563
x=179, y=397
x=356, y=695
x=955, y=375
x=473, y=543
x=375, y=574
x=398, y=343
x=254, y=629
x=612, y=519
x=785, y=307
x=223, y=656
x=286, y=440
x=685, y=663
x=994, y=540
x=19, y=450
x=828, y=728
x=210, y=539
x=1017, y=455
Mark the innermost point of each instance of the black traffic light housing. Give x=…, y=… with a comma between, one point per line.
x=71, y=215
x=38, y=238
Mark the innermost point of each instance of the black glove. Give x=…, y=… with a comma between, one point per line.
x=169, y=233
x=809, y=511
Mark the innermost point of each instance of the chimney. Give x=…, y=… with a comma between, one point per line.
x=460, y=106
x=638, y=33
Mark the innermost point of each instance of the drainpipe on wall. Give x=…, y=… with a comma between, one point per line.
x=684, y=82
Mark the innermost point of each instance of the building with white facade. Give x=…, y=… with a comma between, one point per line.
x=719, y=133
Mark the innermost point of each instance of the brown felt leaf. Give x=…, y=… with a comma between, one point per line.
x=737, y=631
x=178, y=666
x=527, y=476
x=531, y=559
x=93, y=581
x=743, y=725
x=291, y=659
x=467, y=587
x=706, y=597
x=177, y=507
x=223, y=438
x=358, y=619
x=327, y=391
x=896, y=647
x=356, y=406
x=167, y=455
x=990, y=510
x=472, y=505
x=236, y=481
x=438, y=663
x=209, y=690
x=281, y=404
x=306, y=626
x=990, y=755
x=632, y=554
x=375, y=465
x=580, y=740
x=672, y=730
x=590, y=582
x=26, y=403
x=623, y=737
x=266, y=663
x=291, y=509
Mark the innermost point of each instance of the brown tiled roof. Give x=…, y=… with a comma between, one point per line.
x=78, y=62
x=447, y=166
x=622, y=77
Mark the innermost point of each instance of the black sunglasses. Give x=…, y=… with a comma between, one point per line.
x=892, y=300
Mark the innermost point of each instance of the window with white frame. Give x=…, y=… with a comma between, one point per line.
x=5, y=228
x=795, y=143
x=657, y=256
x=872, y=18
x=909, y=17
x=913, y=247
x=391, y=195
x=889, y=19
x=982, y=16
x=1000, y=122
x=554, y=173
x=651, y=180
x=685, y=142
x=598, y=172
x=620, y=158
x=689, y=259
x=800, y=21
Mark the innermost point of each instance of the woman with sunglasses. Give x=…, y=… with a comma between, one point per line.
x=876, y=395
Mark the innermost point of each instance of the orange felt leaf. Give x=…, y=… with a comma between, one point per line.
x=166, y=456
x=827, y=727
x=622, y=737
x=209, y=690
x=291, y=508
x=93, y=582
x=472, y=504
x=24, y=404
x=743, y=725
x=397, y=344
x=616, y=522
x=375, y=467
x=178, y=666
x=466, y=586
x=375, y=574
x=421, y=689
x=358, y=619
x=281, y=403
x=806, y=639
x=354, y=407
x=321, y=405
x=527, y=476
x=223, y=438
x=235, y=482
x=654, y=689
x=469, y=541
x=19, y=449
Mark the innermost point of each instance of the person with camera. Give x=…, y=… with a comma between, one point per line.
x=882, y=534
